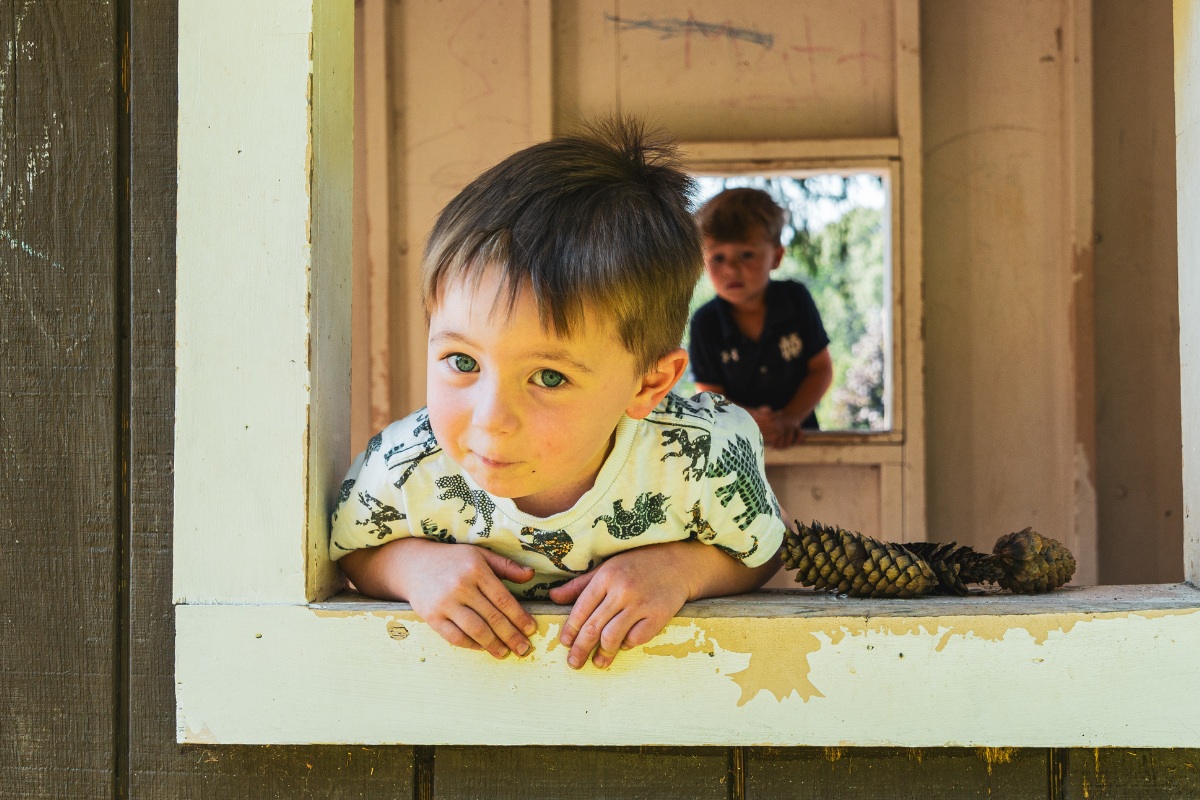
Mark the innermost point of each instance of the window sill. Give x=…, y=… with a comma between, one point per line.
x=774, y=668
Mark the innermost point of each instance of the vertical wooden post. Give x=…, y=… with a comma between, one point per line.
x=263, y=291
x=373, y=263
x=1079, y=220
x=910, y=371
x=1187, y=144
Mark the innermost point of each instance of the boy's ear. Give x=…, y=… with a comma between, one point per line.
x=777, y=259
x=657, y=381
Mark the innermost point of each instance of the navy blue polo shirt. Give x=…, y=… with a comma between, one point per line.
x=766, y=372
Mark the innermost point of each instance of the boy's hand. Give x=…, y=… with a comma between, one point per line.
x=630, y=598
x=623, y=603
x=778, y=429
x=455, y=588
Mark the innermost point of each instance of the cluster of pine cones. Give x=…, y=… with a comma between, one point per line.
x=845, y=562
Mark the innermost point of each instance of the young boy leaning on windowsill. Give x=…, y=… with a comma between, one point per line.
x=552, y=458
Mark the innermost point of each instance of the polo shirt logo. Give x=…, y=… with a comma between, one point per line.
x=790, y=346
x=729, y=355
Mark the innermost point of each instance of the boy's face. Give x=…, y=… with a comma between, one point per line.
x=530, y=416
x=740, y=271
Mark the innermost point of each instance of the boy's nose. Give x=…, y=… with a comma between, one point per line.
x=494, y=411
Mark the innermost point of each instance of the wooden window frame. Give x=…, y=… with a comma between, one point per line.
x=267, y=653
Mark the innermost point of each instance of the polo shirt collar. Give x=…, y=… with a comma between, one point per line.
x=729, y=329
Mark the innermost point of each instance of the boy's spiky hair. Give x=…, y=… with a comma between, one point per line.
x=594, y=220
x=736, y=215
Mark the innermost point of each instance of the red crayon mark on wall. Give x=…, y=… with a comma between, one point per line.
x=811, y=50
x=862, y=55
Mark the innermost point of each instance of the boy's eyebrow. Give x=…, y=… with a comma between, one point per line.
x=562, y=357
x=559, y=355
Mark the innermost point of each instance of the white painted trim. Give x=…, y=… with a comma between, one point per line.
x=798, y=150
x=243, y=283
x=841, y=673
x=1187, y=160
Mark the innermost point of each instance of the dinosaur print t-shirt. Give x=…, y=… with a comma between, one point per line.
x=692, y=469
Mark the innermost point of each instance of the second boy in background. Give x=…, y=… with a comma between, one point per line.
x=759, y=342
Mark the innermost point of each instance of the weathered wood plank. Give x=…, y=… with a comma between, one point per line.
x=57, y=427
x=953, y=773
x=1106, y=774
x=529, y=773
x=160, y=768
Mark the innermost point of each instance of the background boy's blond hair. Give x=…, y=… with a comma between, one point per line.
x=737, y=215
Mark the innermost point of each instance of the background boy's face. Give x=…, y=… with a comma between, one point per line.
x=740, y=271
x=528, y=415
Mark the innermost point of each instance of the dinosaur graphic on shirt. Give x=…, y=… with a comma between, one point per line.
x=456, y=488
x=680, y=407
x=373, y=447
x=425, y=445
x=430, y=530
x=737, y=459
x=379, y=516
x=625, y=524
x=698, y=528
x=695, y=450
x=343, y=496
x=554, y=545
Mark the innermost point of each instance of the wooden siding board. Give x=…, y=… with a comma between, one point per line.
x=159, y=767
x=1139, y=774
x=529, y=773
x=57, y=424
x=867, y=773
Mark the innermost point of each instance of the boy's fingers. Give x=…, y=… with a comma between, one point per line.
x=589, y=634
x=477, y=628
x=569, y=592
x=642, y=631
x=585, y=604
x=506, y=568
x=610, y=639
x=453, y=634
x=508, y=619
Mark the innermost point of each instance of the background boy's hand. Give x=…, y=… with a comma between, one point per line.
x=624, y=602
x=777, y=428
x=455, y=588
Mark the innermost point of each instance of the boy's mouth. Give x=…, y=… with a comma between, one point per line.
x=491, y=463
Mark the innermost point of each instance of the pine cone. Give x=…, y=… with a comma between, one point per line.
x=956, y=566
x=1032, y=563
x=836, y=560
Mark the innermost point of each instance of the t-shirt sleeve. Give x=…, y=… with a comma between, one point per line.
x=370, y=510
x=743, y=516
x=812, y=330
x=702, y=352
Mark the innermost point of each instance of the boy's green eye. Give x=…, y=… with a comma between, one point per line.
x=549, y=378
x=462, y=363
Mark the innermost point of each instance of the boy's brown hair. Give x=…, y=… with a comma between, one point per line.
x=598, y=220
x=738, y=215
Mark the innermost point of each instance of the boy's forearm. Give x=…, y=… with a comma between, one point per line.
x=809, y=392
x=378, y=571
x=717, y=574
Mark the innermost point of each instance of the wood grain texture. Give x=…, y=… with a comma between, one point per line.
x=1107, y=774
x=159, y=767
x=57, y=423
x=529, y=773
x=952, y=773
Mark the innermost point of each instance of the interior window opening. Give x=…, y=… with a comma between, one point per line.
x=837, y=242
